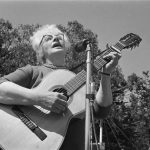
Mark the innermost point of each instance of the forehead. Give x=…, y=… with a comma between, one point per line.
x=52, y=30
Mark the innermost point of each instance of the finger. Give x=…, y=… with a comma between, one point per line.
x=62, y=100
x=55, y=110
x=60, y=107
x=112, y=55
x=62, y=103
x=61, y=96
x=119, y=55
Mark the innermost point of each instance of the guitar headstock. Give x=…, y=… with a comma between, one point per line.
x=130, y=40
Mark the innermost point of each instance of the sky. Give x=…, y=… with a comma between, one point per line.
x=109, y=19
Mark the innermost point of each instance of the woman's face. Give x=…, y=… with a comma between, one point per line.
x=54, y=42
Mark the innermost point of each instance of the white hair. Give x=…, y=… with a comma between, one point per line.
x=37, y=37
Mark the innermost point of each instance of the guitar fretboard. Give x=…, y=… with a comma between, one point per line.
x=100, y=62
x=80, y=79
x=75, y=83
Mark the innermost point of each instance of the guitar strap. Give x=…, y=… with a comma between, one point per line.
x=29, y=123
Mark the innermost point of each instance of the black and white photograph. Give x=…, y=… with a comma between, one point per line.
x=74, y=75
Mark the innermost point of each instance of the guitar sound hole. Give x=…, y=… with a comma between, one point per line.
x=62, y=90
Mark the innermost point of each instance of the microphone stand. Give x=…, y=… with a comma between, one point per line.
x=90, y=96
x=89, y=99
x=101, y=143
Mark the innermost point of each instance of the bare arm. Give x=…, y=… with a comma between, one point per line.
x=13, y=94
x=104, y=94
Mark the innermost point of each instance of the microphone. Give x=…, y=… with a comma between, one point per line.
x=81, y=45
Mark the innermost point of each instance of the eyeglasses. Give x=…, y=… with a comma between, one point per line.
x=48, y=37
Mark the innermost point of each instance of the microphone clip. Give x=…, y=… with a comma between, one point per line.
x=82, y=45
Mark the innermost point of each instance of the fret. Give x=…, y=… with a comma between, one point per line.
x=121, y=45
x=75, y=83
x=99, y=62
x=117, y=46
x=128, y=41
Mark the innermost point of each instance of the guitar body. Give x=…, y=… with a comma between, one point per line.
x=15, y=135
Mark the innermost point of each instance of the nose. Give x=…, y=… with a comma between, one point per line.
x=56, y=38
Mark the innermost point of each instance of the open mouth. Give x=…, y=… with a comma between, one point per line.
x=56, y=45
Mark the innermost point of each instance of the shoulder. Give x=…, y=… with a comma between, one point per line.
x=37, y=73
x=34, y=70
x=21, y=76
x=38, y=70
x=28, y=76
x=26, y=69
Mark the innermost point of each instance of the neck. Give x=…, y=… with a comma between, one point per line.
x=56, y=60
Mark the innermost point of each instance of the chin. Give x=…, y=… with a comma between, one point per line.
x=58, y=50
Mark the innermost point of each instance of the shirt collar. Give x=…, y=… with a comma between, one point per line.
x=54, y=67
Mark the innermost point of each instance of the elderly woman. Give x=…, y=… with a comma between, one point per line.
x=17, y=88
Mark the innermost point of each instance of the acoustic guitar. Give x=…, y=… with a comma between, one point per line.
x=34, y=128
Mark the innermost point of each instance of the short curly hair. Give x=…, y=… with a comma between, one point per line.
x=38, y=34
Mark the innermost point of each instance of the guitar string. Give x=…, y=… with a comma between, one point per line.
x=73, y=84
x=100, y=63
x=73, y=81
x=76, y=83
x=60, y=91
x=79, y=81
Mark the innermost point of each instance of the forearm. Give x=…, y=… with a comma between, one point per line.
x=11, y=93
x=102, y=105
x=104, y=94
x=104, y=99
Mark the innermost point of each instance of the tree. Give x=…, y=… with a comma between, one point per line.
x=5, y=41
x=16, y=45
x=140, y=102
x=76, y=32
x=129, y=120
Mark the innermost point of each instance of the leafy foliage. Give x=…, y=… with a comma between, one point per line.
x=131, y=115
x=76, y=32
x=15, y=47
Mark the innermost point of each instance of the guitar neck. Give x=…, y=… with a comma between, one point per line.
x=75, y=83
x=128, y=41
x=100, y=62
x=80, y=78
